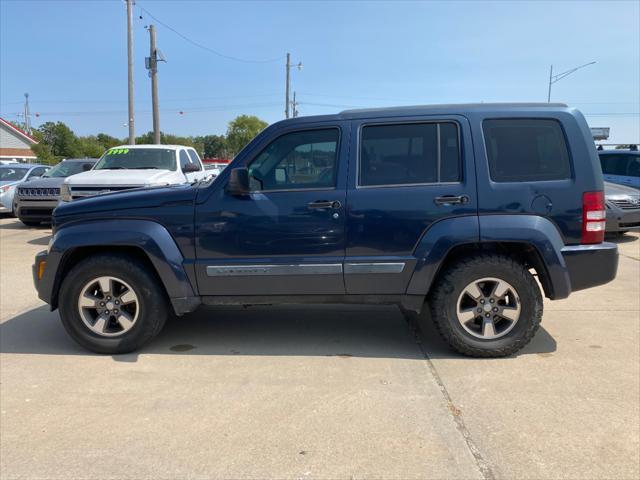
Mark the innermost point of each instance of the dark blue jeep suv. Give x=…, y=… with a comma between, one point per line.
x=453, y=210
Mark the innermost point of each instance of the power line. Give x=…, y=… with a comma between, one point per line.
x=208, y=49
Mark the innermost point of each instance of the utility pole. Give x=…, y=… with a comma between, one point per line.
x=131, y=123
x=550, y=82
x=153, y=73
x=294, y=106
x=286, y=98
x=288, y=83
x=27, y=116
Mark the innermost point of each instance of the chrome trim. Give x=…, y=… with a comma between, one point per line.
x=254, y=270
x=390, y=267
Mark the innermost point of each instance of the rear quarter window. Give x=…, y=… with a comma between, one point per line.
x=525, y=150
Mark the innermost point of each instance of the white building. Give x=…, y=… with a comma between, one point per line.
x=15, y=144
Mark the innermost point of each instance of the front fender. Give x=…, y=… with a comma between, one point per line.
x=150, y=237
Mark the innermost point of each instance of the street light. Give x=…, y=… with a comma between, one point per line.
x=556, y=78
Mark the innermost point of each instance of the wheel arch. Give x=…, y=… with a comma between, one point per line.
x=147, y=241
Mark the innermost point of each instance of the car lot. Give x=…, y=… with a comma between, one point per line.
x=319, y=392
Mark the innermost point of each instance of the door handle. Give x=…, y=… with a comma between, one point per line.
x=325, y=204
x=451, y=200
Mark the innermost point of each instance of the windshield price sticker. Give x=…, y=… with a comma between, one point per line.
x=118, y=151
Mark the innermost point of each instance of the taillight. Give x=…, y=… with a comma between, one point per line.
x=593, y=217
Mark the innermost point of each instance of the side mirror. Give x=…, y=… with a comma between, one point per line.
x=238, y=183
x=191, y=167
x=86, y=167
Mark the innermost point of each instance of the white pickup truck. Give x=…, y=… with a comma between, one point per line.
x=135, y=166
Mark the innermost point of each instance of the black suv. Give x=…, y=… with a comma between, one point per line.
x=451, y=209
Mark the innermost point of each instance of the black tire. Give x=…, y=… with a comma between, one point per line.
x=152, y=300
x=443, y=303
x=30, y=223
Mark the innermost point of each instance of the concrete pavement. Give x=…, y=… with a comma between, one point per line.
x=318, y=392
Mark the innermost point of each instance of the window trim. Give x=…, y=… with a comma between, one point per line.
x=571, y=176
x=315, y=189
x=412, y=122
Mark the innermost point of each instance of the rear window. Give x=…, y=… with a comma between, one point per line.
x=525, y=150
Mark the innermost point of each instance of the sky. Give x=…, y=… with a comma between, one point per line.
x=70, y=56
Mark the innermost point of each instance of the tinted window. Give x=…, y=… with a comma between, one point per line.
x=526, y=150
x=297, y=160
x=616, y=164
x=407, y=154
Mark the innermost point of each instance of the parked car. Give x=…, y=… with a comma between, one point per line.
x=135, y=166
x=34, y=201
x=443, y=209
x=623, y=208
x=621, y=167
x=12, y=175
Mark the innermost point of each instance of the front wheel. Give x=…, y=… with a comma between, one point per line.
x=486, y=306
x=112, y=304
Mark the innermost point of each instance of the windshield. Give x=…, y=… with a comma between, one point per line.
x=8, y=174
x=137, y=159
x=66, y=169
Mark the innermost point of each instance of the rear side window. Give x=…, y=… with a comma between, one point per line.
x=409, y=154
x=525, y=150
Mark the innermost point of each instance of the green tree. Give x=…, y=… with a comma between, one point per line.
x=214, y=146
x=90, y=147
x=241, y=131
x=107, y=141
x=61, y=140
x=165, y=139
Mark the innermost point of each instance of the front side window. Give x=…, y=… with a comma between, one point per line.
x=137, y=159
x=37, y=172
x=524, y=150
x=409, y=154
x=297, y=160
x=194, y=157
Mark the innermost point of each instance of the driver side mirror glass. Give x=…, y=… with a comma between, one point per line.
x=238, y=183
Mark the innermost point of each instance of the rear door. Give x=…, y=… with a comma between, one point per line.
x=405, y=174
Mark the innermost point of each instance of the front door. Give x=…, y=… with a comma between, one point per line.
x=409, y=173
x=287, y=237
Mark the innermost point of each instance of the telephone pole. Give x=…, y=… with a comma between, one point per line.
x=132, y=132
x=288, y=83
x=286, y=98
x=153, y=73
x=294, y=106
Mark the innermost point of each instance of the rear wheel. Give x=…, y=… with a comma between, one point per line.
x=112, y=304
x=486, y=306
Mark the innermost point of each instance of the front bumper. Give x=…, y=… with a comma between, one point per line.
x=43, y=284
x=591, y=265
x=35, y=209
x=620, y=221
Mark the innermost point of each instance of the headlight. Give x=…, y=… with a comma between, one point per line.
x=6, y=188
x=65, y=193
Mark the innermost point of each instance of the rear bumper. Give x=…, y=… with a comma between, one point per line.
x=43, y=285
x=591, y=265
